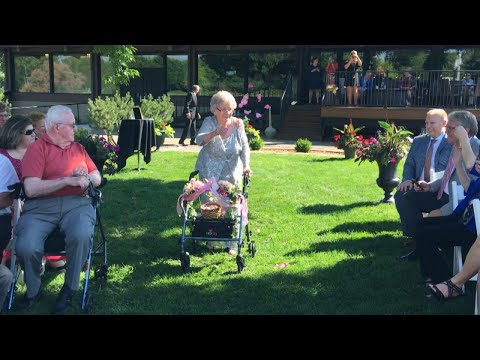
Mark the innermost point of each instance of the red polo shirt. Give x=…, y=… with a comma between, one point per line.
x=47, y=161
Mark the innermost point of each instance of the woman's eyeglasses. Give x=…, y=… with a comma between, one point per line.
x=29, y=132
x=225, y=111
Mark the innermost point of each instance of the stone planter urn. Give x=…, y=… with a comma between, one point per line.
x=159, y=140
x=270, y=132
x=387, y=180
x=349, y=152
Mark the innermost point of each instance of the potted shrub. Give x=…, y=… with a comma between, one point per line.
x=161, y=111
x=253, y=135
x=107, y=113
x=348, y=141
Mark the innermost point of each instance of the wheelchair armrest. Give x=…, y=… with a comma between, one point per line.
x=18, y=191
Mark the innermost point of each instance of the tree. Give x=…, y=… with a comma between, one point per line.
x=121, y=57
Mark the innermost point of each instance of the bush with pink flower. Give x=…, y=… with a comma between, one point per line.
x=98, y=147
x=388, y=146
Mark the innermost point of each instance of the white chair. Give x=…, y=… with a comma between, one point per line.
x=458, y=195
x=436, y=175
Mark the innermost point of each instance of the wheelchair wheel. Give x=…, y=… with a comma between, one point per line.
x=240, y=263
x=185, y=261
x=88, y=303
x=253, y=248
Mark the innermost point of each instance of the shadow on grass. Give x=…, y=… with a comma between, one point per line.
x=142, y=230
x=354, y=285
x=368, y=226
x=329, y=159
x=323, y=208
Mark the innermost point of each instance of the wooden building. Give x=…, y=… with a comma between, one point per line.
x=42, y=86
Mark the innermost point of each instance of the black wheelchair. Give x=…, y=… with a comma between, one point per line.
x=55, y=246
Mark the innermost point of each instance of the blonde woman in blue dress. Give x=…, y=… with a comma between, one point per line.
x=225, y=152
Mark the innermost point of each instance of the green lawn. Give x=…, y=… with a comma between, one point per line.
x=319, y=214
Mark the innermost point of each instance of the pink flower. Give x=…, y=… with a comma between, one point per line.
x=267, y=106
x=250, y=86
x=393, y=160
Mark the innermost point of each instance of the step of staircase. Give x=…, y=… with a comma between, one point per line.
x=302, y=121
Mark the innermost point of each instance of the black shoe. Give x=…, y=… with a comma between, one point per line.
x=193, y=143
x=64, y=300
x=182, y=143
x=27, y=303
x=411, y=256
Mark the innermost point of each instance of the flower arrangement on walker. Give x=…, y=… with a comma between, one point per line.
x=224, y=199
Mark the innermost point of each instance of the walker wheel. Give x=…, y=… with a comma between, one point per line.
x=240, y=263
x=253, y=247
x=185, y=261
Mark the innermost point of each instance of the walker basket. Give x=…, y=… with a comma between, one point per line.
x=210, y=210
x=213, y=228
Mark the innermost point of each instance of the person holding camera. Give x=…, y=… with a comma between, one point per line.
x=351, y=77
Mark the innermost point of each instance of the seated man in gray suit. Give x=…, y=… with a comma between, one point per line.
x=428, y=152
x=435, y=195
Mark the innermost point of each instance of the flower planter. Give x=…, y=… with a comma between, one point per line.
x=349, y=152
x=99, y=163
x=270, y=132
x=160, y=140
x=387, y=180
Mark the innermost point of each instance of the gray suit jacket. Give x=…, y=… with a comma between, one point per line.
x=415, y=161
x=447, y=209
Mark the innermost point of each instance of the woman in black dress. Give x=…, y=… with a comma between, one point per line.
x=351, y=77
x=314, y=80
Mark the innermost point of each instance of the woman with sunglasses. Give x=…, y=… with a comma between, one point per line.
x=15, y=137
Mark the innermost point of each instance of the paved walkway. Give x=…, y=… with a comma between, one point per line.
x=271, y=145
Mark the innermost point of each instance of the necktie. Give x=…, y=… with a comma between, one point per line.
x=448, y=171
x=428, y=161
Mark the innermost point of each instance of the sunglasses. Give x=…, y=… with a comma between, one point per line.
x=29, y=132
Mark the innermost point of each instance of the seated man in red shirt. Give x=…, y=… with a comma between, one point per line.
x=56, y=173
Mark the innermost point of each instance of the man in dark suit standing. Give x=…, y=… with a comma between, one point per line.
x=191, y=115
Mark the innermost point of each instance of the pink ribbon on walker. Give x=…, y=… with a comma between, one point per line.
x=244, y=210
x=205, y=187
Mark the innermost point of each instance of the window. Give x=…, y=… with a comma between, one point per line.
x=72, y=74
x=32, y=74
x=221, y=72
x=177, y=72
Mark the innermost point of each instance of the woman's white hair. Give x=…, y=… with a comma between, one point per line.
x=221, y=97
